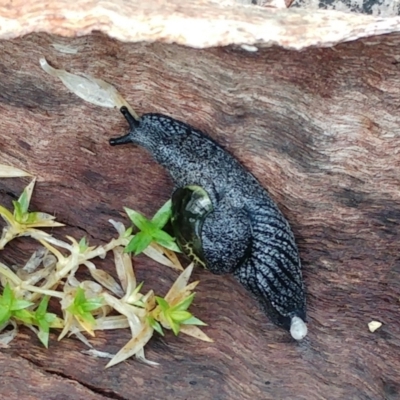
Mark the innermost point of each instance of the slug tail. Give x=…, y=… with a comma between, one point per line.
x=272, y=271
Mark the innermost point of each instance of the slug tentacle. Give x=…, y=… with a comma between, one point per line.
x=224, y=219
x=132, y=121
x=121, y=140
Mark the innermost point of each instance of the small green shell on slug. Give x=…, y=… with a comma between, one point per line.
x=190, y=207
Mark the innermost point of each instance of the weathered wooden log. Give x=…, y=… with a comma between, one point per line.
x=319, y=128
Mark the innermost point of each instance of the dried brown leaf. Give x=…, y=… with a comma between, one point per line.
x=133, y=346
x=196, y=332
x=105, y=279
x=125, y=272
x=180, y=284
x=169, y=254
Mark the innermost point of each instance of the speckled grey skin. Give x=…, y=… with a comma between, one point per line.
x=245, y=234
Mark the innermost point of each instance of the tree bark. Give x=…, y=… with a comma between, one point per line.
x=320, y=130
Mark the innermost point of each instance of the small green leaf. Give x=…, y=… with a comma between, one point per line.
x=18, y=304
x=138, y=303
x=30, y=218
x=92, y=304
x=42, y=323
x=80, y=297
x=138, y=243
x=162, y=216
x=138, y=288
x=184, y=304
x=162, y=237
x=43, y=335
x=194, y=321
x=163, y=304
x=171, y=246
x=8, y=296
x=81, y=306
x=174, y=325
x=5, y=314
x=43, y=320
x=128, y=232
x=88, y=317
x=17, y=211
x=139, y=220
x=155, y=325
x=24, y=316
x=50, y=318
x=24, y=202
x=41, y=310
x=165, y=240
x=180, y=316
x=83, y=245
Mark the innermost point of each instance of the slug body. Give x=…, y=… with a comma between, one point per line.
x=224, y=219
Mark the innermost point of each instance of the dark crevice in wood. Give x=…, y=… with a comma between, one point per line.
x=105, y=393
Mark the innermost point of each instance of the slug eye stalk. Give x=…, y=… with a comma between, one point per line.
x=121, y=140
x=133, y=123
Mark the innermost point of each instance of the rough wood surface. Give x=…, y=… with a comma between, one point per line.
x=319, y=129
x=195, y=23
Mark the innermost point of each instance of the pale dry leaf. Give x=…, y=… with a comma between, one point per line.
x=124, y=309
x=119, y=226
x=124, y=268
x=86, y=325
x=87, y=89
x=141, y=357
x=68, y=323
x=49, y=261
x=171, y=255
x=29, y=190
x=97, y=353
x=7, y=336
x=177, y=297
x=62, y=48
x=35, y=277
x=35, y=260
x=92, y=289
x=133, y=346
x=90, y=89
x=7, y=274
x=112, y=322
x=180, y=284
x=158, y=256
x=76, y=331
x=6, y=171
x=105, y=279
x=45, y=217
x=196, y=332
x=72, y=280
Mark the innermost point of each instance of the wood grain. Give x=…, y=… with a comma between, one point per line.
x=319, y=129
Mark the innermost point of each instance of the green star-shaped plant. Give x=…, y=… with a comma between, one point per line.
x=151, y=230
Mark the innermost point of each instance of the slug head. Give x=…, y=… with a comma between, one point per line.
x=152, y=131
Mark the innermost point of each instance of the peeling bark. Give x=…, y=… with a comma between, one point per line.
x=194, y=23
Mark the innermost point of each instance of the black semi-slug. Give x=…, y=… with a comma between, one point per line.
x=223, y=218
